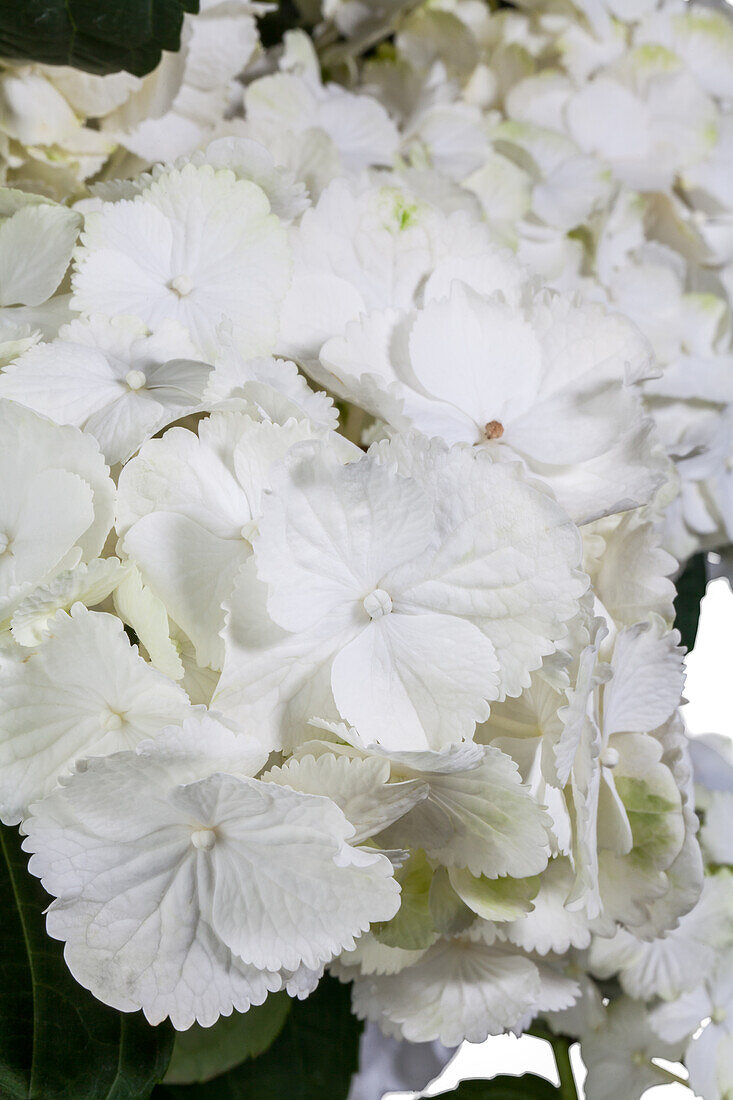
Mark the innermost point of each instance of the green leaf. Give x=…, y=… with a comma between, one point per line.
x=100, y=37
x=56, y=1041
x=313, y=1058
x=690, y=590
x=204, y=1052
x=528, y=1087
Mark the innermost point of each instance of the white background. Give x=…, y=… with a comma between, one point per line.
x=709, y=689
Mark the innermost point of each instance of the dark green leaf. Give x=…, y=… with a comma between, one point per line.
x=100, y=37
x=274, y=24
x=313, y=1058
x=690, y=590
x=528, y=1087
x=204, y=1052
x=56, y=1041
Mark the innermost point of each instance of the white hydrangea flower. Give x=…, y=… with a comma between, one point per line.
x=359, y=787
x=680, y=1020
x=69, y=122
x=57, y=502
x=48, y=149
x=33, y=111
x=528, y=729
x=630, y=572
x=701, y=36
x=37, y=238
x=112, y=378
x=715, y=836
x=472, y=813
x=370, y=574
x=16, y=336
x=364, y=247
x=625, y=797
x=87, y=583
x=370, y=956
x=458, y=990
x=646, y=116
x=251, y=160
x=196, y=246
x=550, y=925
x=392, y=1065
x=198, y=889
x=550, y=384
x=308, y=121
x=267, y=388
x=83, y=692
x=447, y=759
x=672, y=964
x=619, y=1054
x=144, y=613
x=188, y=507
x=175, y=107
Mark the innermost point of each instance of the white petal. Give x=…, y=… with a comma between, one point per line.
x=508, y=556
x=497, y=352
x=328, y=535
x=35, y=449
x=457, y=991
x=190, y=475
x=648, y=676
x=84, y=692
x=273, y=386
x=360, y=788
x=481, y=818
x=263, y=870
x=551, y=926
x=63, y=380
x=36, y=244
x=608, y=1052
x=283, y=864
x=88, y=584
x=132, y=912
x=42, y=521
x=415, y=681
x=192, y=585
x=372, y=957
x=272, y=681
x=206, y=228
x=715, y=835
x=669, y=965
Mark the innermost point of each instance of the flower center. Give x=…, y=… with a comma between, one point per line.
x=135, y=379
x=181, y=285
x=378, y=603
x=111, y=720
x=203, y=839
x=718, y=1015
x=639, y=1058
x=249, y=530
x=494, y=429
x=610, y=758
x=4, y=543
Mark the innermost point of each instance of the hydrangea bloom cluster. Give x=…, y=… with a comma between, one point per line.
x=357, y=415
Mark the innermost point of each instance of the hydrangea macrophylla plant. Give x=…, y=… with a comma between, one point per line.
x=365, y=404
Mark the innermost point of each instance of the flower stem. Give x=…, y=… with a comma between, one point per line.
x=561, y=1050
x=672, y=1078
